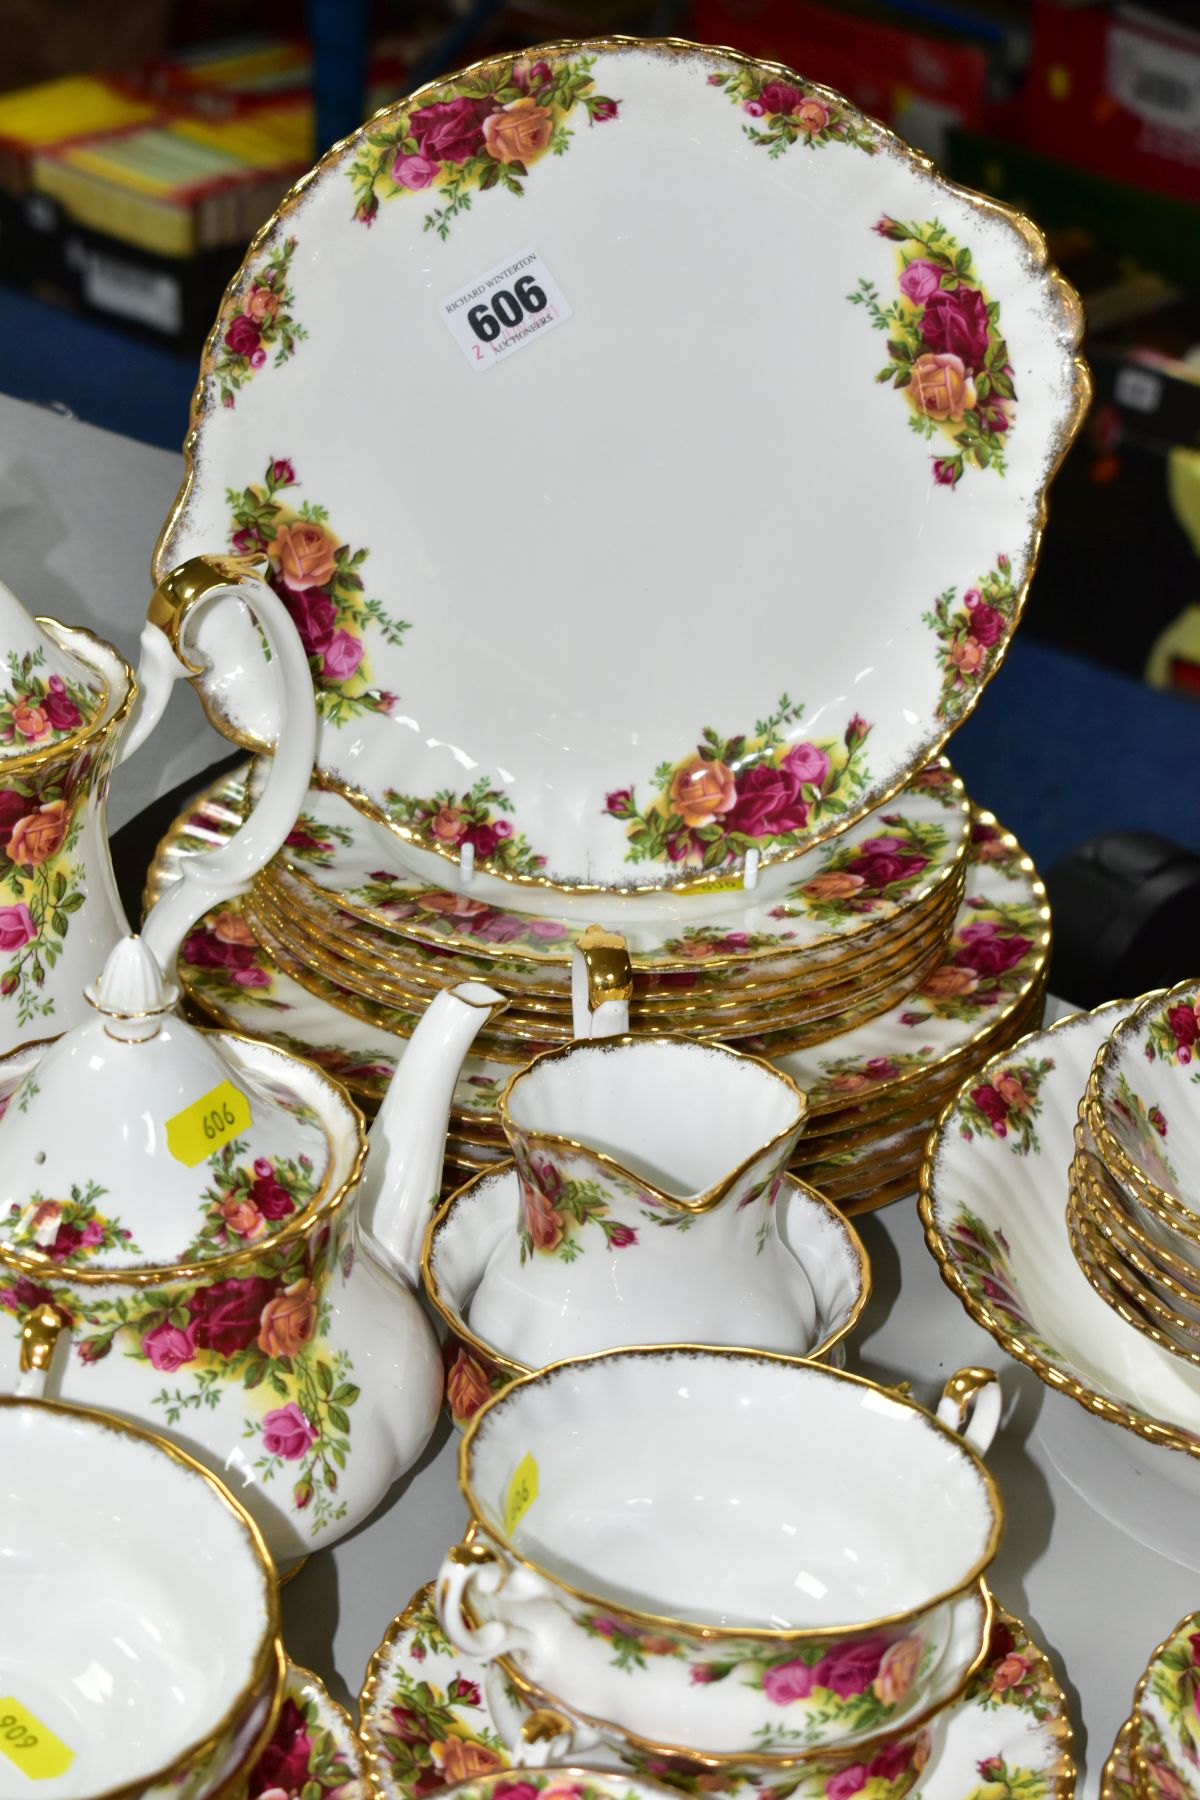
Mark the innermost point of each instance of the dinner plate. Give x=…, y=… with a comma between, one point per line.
x=652, y=451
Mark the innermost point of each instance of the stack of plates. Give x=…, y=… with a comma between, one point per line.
x=878, y=1061
x=655, y=475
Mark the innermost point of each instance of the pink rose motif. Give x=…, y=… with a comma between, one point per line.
x=881, y=1068
x=621, y=1235
x=169, y=1348
x=549, y=930
x=601, y=111
x=946, y=471
x=755, y=108
x=807, y=763
x=93, y=1234
x=243, y=335
x=515, y=1790
x=414, y=171
x=246, y=540
x=342, y=657
x=890, y=1763
x=780, y=97
x=16, y=927
x=846, y=1782
x=850, y=1668
x=788, y=1681
x=957, y=322
x=283, y=471
x=988, y=953
x=59, y=707
x=258, y=357
x=250, y=978
x=287, y=1433
x=450, y=130
x=921, y=279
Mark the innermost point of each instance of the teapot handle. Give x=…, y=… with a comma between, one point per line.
x=220, y=875
x=601, y=984
x=970, y=1405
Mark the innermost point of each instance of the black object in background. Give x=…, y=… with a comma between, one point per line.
x=133, y=846
x=1125, y=907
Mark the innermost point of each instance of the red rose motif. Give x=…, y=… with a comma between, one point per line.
x=987, y=625
x=946, y=471
x=846, y=1782
x=484, y=837
x=284, y=1762
x=450, y=130
x=991, y=1105
x=272, y=1200
x=988, y=953
x=890, y=1762
x=314, y=615
x=769, y=803
x=243, y=336
x=13, y=808
x=780, y=97
x=1185, y=1026
x=59, y=707
x=879, y=867
x=204, y=950
x=225, y=1316
x=850, y=1668
x=957, y=322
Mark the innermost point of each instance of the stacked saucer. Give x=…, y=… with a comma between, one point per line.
x=1135, y=1175
x=899, y=956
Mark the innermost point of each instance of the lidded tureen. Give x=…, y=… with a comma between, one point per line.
x=181, y=1242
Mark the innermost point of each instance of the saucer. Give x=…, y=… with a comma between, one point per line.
x=314, y=1752
x=425, y=1722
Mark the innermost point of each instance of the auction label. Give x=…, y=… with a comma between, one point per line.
x=522, y=1492
x=505, y=310
x=26, y=1742
x=208, y=1123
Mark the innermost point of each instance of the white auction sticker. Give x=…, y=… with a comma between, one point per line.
x=505, y=310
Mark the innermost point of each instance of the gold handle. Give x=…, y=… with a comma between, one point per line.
x=606, y=959
x=39, y=1334
x=179, y=591
x=543, y=1726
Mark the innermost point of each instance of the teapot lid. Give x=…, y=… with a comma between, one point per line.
x=48, y=693
x=134, y=1141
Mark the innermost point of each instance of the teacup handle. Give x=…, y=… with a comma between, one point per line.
x=970, y=1405
x=543, y=1737
x=177, y=604
x=601, y=984
x=468, y=1570
x=39, y=1336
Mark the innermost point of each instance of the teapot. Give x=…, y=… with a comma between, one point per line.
x=197, y=1234
x=70, y=711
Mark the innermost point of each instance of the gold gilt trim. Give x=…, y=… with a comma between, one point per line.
x=270, y=1649
x=536, y=1694
x=458, y=1327
x=321, y=1210
x=1154, y=1431
x=678, y=1203
x=1065, y=300
x=375, y=1762
x=707, y=1632
x=1092, y=1109
x=1121, y=1227
x=180, y=590
x=1122, y=1752
x=1119, y=1287
x=1139, y=1765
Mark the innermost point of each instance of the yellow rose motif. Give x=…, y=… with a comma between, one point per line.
x=39, y=835
x=518, y=133
x=701, y=790
x=941, y=386
x=898, y=1670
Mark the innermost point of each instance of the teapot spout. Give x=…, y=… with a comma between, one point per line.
x=407, y=1143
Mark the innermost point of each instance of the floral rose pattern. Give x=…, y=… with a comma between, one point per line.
x=318, y=579
x=435, y=1729
x=555, y=1208
x=41, y=884
x=784, y=110
x=304, y=1759
x=1141, y=1129
x=451, y=821
x=263, y=321
x=36, y=710
x=261, y=1333
x=987, y=961
x=971, y=633
x=1169, y=1729
x=317, y=844
x=864, y=877
x=470, y=1379
x=480, y=132
x=67, y=1231
x=1006, y=1105
x=945, y=349
x=456, y=915
x=743, y=793
x=223, y=955
x=1173, y=1034
x=246, y=1203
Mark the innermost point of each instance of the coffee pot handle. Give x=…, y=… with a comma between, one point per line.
x=179, y=601
x=601, y=984
x=970, y=1405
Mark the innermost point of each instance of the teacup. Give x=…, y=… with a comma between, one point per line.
x=828, y=1254
x=648, y=1168
x=710, y=1547
x=139, y=1631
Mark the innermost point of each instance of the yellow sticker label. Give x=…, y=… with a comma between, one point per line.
x=207, y=1123
x=522, y=1492
x=26, y=1742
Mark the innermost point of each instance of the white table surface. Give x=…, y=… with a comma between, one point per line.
x=79, y=512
